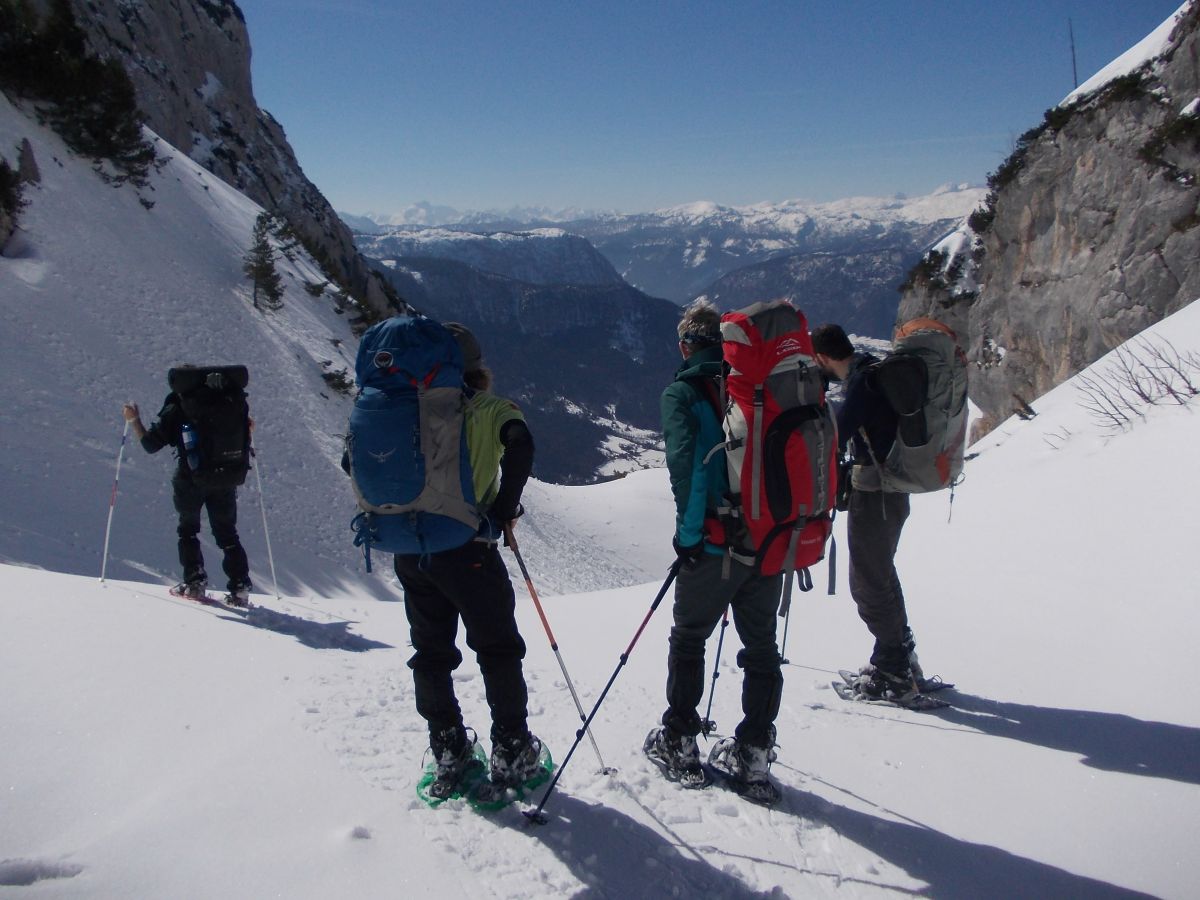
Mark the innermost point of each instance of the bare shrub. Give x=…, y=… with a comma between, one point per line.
x=1144, y=373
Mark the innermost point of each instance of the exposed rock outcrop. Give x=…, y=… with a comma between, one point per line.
x=1091, y=234
x=190, y=64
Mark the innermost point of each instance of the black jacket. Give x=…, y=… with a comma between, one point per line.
x=167, y=431
x=865, y=408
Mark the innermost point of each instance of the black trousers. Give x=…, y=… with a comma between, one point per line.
x=701, y=596
x=221, y=504
x=468, y=583
x=873, y=532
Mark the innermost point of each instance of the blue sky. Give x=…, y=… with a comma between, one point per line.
x=638, y=105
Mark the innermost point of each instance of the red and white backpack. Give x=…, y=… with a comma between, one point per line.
x=781, y=441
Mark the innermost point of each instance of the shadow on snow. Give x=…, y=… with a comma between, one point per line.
x=1109, y=741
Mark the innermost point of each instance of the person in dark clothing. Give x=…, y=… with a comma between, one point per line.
x=703, y=587
x=190, y=500
x=471, y=583
x=866, y=431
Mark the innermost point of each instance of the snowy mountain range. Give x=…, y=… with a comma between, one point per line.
x=537, y=256
x=680, y=251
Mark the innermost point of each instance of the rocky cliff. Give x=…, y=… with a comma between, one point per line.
x=1091, y=231
x=190, y=65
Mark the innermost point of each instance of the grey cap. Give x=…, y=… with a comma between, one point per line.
x=468, y=344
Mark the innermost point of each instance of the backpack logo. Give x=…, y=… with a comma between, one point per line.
x=789, y=345
x=421, y=501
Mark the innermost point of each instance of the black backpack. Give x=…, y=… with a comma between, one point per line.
x=213, y=400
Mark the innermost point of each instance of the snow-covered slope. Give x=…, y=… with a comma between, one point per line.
x=101, y=296
x=154, y=747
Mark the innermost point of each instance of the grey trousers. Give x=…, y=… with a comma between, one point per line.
x=701, y=596
x=873, y=531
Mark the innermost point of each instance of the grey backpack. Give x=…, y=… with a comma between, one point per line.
x=924, y=380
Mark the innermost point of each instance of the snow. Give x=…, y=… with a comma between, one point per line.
x=1146, y=50
x=155, y=736
x=156, y=747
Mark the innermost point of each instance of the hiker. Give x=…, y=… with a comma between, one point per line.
x=199, y=482
x=470, y=582
x=710, y=579
x=866, y=431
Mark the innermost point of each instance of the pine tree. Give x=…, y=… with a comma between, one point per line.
x=259, y=266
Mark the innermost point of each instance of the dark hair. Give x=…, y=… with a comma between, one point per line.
x=831, y=340
x=478, y=379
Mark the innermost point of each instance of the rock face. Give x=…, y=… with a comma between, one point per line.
x=190, y=65
x=1094, y=233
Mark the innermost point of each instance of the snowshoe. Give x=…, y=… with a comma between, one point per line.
x=191, y=590
x=677, y=756
x=451, y=774
x=871, y=685
x=516, y=768
x=744, y=769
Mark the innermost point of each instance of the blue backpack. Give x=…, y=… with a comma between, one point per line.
x=407, y=441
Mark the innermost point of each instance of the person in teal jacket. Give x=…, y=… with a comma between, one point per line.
x=712, y=576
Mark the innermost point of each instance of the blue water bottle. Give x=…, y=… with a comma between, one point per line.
x=189, y=447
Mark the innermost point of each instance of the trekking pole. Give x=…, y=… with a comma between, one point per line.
x=708, y=725
x=536, y=815
x=804, y=580
x=266, y=533
x=112, y=502
x=512, y=545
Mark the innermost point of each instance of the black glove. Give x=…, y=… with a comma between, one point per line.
x=842, y=501
x=504, y=516
x=691, y=553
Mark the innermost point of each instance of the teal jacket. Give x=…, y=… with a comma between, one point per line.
x=690, y=430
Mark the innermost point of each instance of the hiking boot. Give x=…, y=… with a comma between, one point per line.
x=876, y=684
x=678, y=755
x=239, y=594
x=515, y=759
x=196, y=589
x=748, y=767
x=910, y=647
x=454, y=759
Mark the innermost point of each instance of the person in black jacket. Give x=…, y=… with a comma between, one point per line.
x=190, y=499
x=867, y=430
